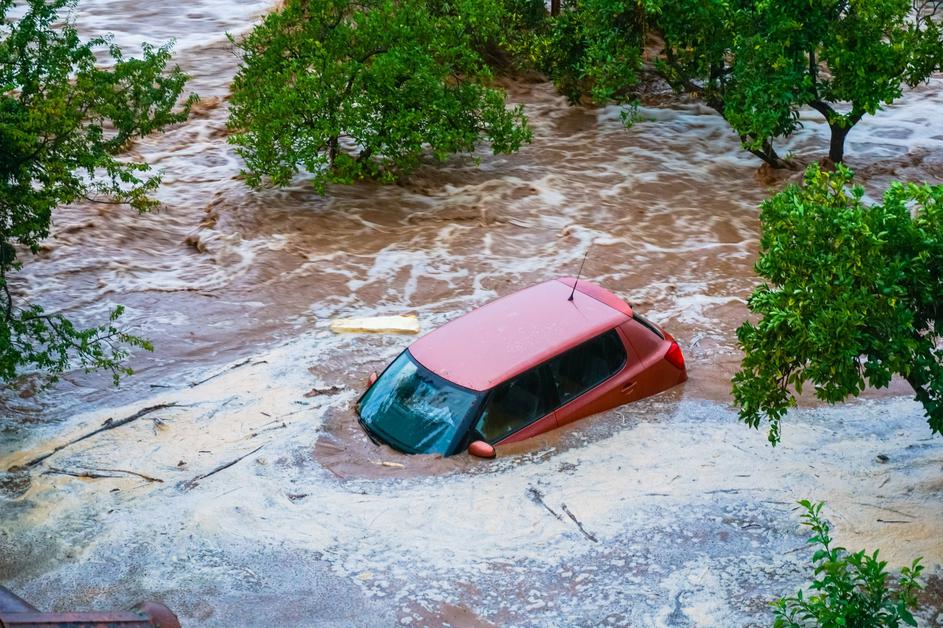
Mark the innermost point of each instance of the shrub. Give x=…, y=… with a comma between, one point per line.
x=850, y=590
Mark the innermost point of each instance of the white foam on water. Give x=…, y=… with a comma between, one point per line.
x=667, y=462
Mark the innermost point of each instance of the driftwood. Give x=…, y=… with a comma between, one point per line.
x=892, y=521
x=331, y=390
x=392, y=465
x=280, y=426
x=92, y=472
x=194, y=481
x=129, y=472
x=77, y=474
x=538, y=498
x=896, y=512
x=110, y=424
x=233, y=367
x=579, y=524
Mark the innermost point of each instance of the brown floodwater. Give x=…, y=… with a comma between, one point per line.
x=237, y=287
x=668, y=208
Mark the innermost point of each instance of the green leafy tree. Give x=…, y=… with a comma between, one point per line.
x=756, y=62
x=705, y=46
x=64, y=121
x=593, y=48
x=523, y=23
x=361, y=90
x=848, y=590
x=854, y=295
x=843, y=58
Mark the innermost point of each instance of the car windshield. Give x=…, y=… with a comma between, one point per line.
x=415, y=410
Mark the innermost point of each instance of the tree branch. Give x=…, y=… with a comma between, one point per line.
x=825, y=109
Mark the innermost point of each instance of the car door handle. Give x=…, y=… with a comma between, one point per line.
x=629, y=388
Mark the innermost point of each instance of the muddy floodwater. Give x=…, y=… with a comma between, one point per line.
x=667, y=512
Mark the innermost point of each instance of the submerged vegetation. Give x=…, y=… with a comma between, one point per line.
x=350, y=91
x=849, y=590
x=64, y=121
x=755, y=63
x=854, y=296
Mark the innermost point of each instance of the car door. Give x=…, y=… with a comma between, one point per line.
x=519, y=408
x=597, y=375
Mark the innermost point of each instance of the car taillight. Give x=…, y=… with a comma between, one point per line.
x=675, y=357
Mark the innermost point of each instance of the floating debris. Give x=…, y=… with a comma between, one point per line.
x=408, y=324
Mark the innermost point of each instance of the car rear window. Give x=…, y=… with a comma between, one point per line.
x=587, y=365
x=652, y=327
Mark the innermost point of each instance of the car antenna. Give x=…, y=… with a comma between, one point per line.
x=572, y=292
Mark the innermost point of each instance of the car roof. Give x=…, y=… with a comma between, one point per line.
x=514, y=333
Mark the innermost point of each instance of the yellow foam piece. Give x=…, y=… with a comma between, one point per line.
x=408, y=324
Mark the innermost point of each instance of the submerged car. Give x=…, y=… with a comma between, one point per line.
x=516, y=367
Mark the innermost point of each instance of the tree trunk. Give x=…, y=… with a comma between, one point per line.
x=554, y=7
x=920, y=392
x=332, y=146
x=768, y=154
x=836, y=147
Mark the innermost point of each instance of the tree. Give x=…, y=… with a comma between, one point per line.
x=705, y=49
x=64, y=121
x=843, y=58
x=592, y=48
x=756, y=62
x=359, y=90
x=854, y=296
x=850, y=590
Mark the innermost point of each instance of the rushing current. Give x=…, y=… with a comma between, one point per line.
x=666, y=512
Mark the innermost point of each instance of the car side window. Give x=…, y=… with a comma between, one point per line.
x=587, y=365
x=516, y=404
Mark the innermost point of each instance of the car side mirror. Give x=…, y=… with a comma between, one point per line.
x=372, y=378
x=481, y=449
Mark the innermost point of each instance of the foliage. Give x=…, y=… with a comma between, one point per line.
x=358, y=90
x=831, y=55
x=723, y=55
x=523, y=28
x=63, y=122
x=756, y=62
x=30, y=338
x=593, y=48
x=855, y=295
x=850, y=590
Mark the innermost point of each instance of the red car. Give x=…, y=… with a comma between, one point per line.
x=517, y=367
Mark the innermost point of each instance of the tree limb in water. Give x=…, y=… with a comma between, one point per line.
x=110, y=424
x=129, y=472
x=191, y=483
x=233, y=367
x=77, y=474
x=579, y=524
